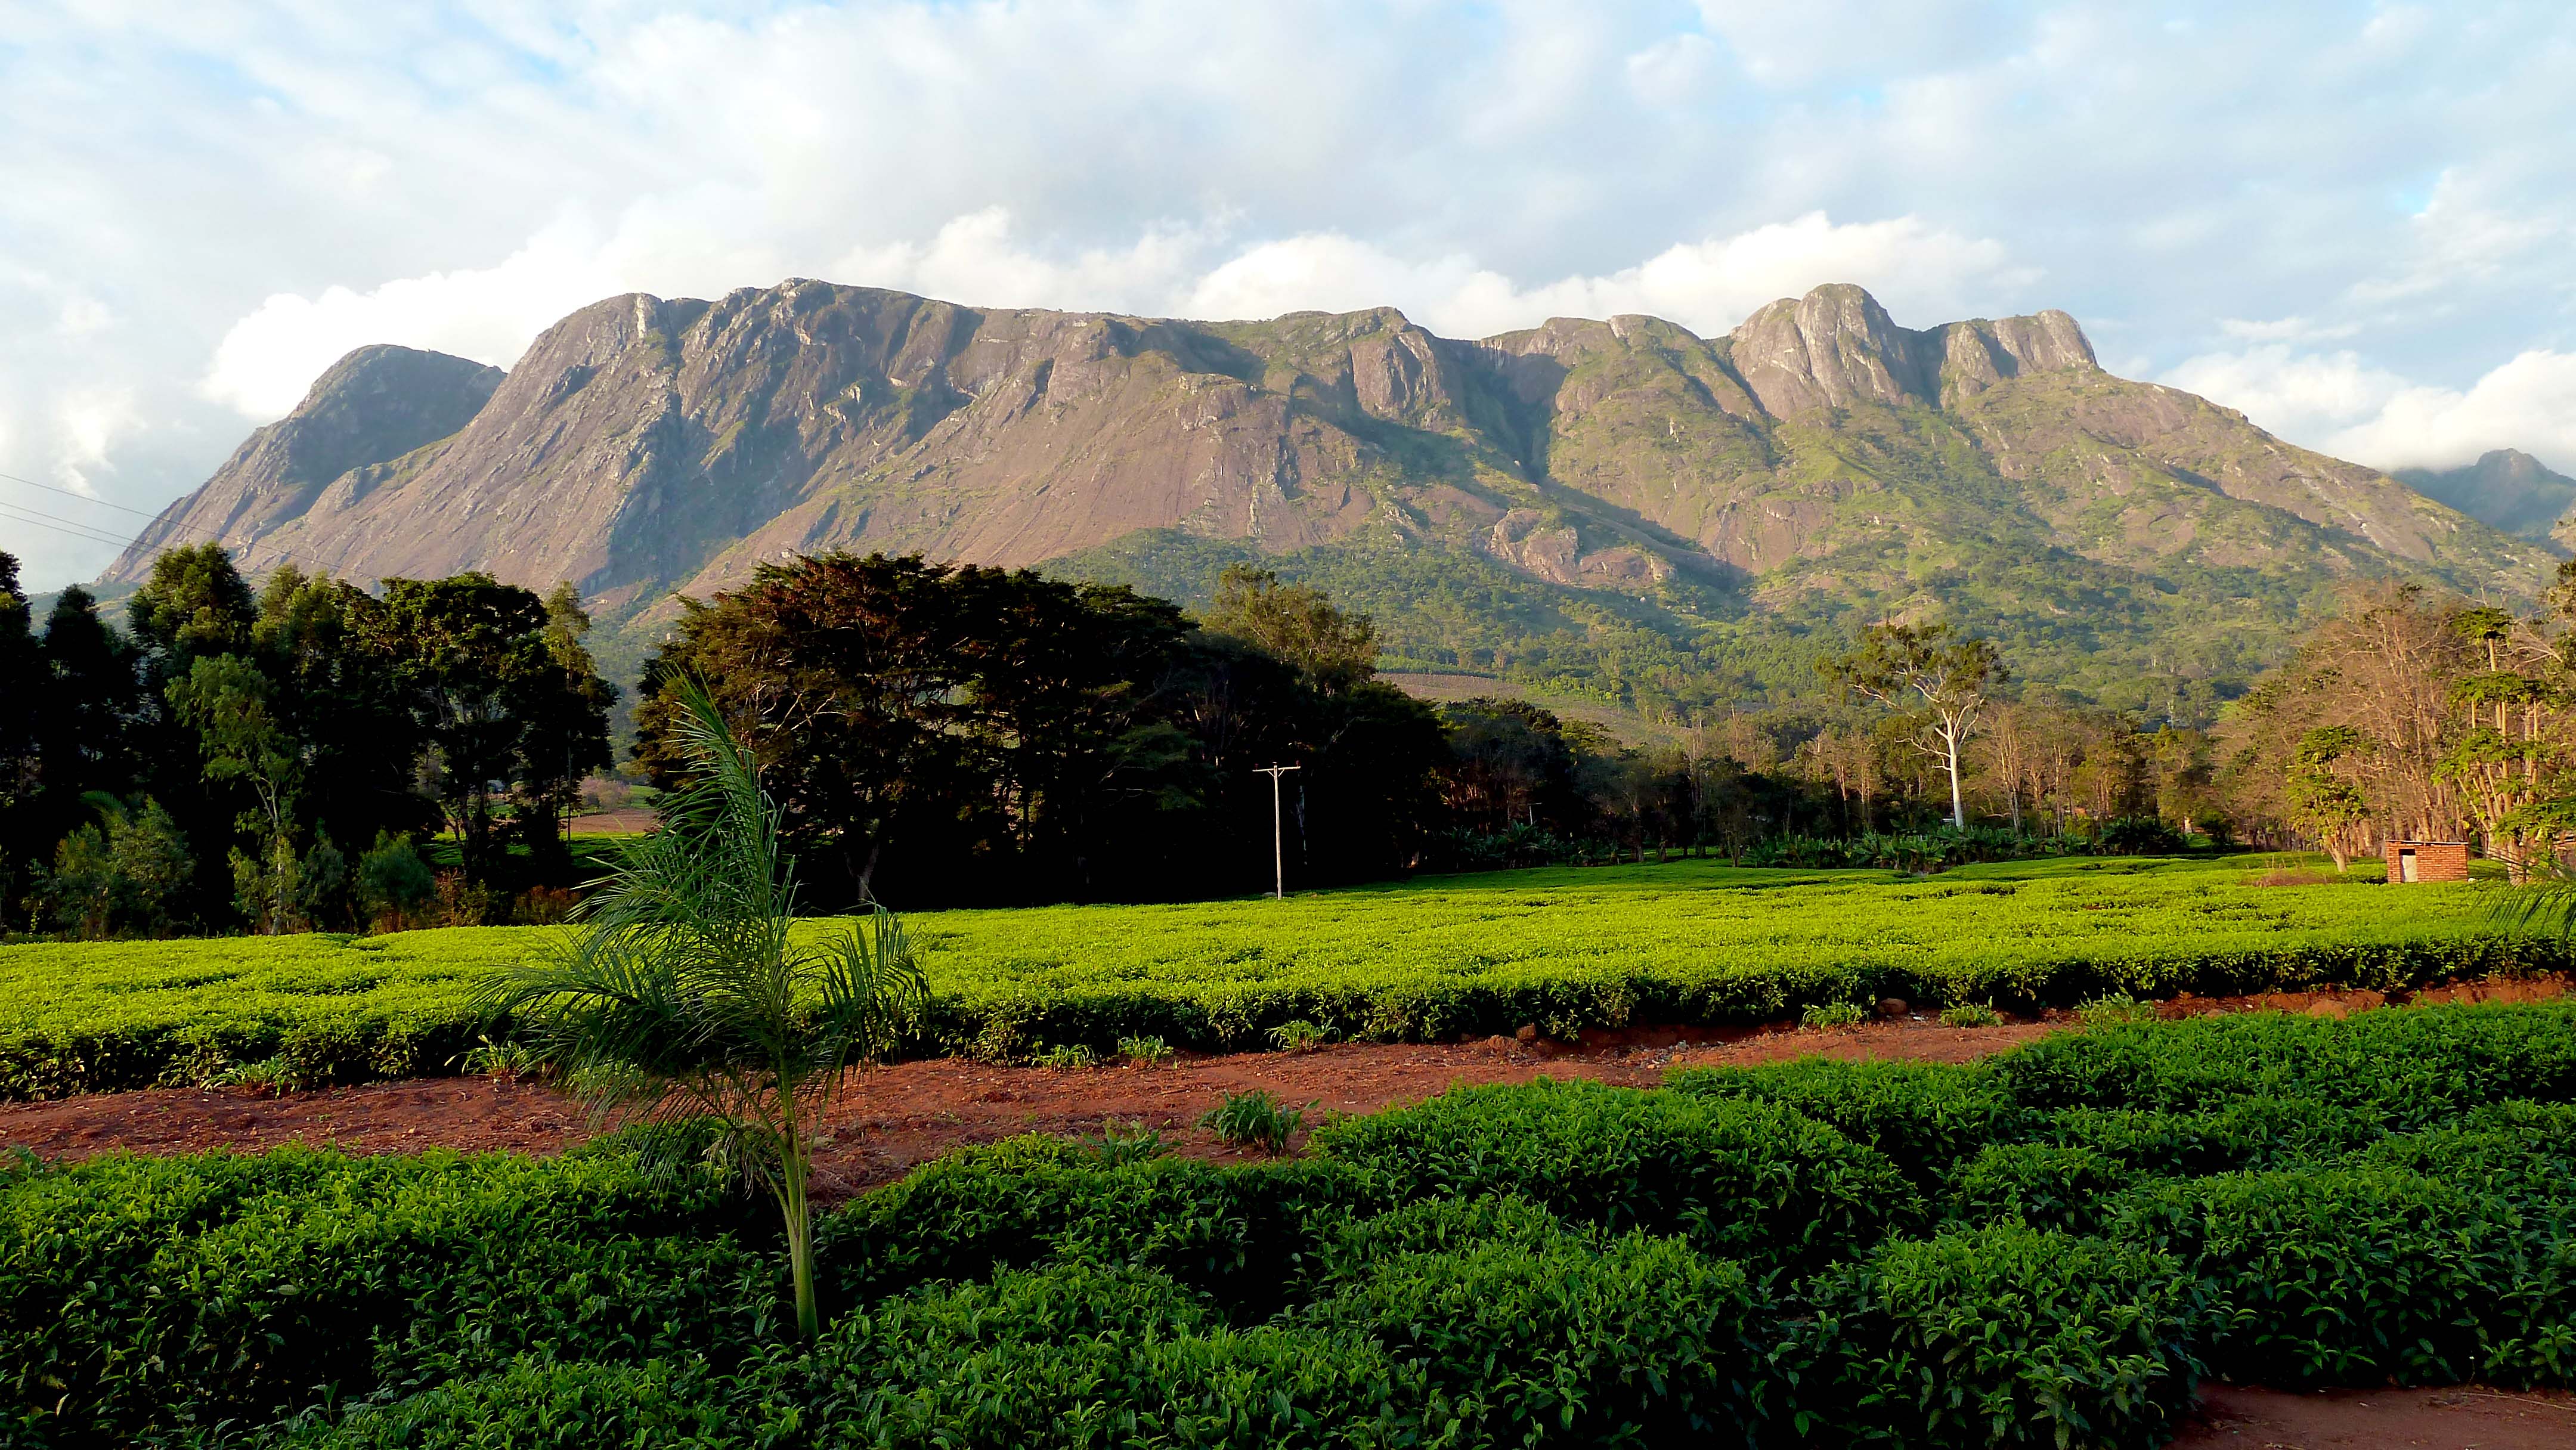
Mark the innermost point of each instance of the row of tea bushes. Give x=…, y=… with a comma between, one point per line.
x=1562, y=950
x=2048, y=1249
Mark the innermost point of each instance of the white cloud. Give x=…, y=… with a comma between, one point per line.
x=1707, y=286
x=89, y=422
x=2286, y=329
x=1787, y=45
x=2528, y=403
x=2301, y=396
x=1673, y=70
x=268, y=358
x=2338, y=404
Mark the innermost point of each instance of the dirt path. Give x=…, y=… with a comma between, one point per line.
x=2466, y=1418
x=895, y=1117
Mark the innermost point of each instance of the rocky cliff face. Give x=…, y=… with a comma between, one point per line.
x=644, y=446
x=2508, y=489
x=375, y=405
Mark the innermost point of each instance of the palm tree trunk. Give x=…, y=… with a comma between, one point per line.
x=800, y=1239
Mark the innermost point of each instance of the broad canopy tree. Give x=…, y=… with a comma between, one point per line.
x=1932, y=672
x=940, y=734
x=261, y=727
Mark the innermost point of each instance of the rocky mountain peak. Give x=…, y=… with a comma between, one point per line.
x=1837, y=346
x=2507, y=488
x=372, y=406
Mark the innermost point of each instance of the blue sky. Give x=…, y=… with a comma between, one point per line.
x=2357, y=222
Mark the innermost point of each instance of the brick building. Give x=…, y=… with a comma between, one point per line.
x=2428, y=861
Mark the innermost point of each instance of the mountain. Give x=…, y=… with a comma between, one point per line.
x=367, y=410
x=1620, y=505
x=2508, y=488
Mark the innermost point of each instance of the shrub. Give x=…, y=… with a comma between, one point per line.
x=395, y=885
x=1299, y=1036
x=1252, y=1119
x=1081, y=1354
x=1834, y=1014
x=1128, y=1143
x=545, y=906
x=2403, y=1069
x=187, y=1291
x=2350, y=1276
x=2040, y=1184
x=1746, y=1180
x=1971, y=1014
x=2116, y=1009
x=1927, y=1119
x=1239, y=1233
x=2245, y=1133
x=1145, y=1051
x=1537, y=1334
x=2001, y=1336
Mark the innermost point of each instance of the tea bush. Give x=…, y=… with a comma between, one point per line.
x=1558, y=949
x=2047, y=1249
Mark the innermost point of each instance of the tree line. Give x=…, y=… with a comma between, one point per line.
x=2420, y=717
x=302, y=753
x=276, y=759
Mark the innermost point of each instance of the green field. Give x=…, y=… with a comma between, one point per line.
x=1563, y=949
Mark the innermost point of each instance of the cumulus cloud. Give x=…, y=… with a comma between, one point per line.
x=2339, y=404
x=2528, y=403
x=2301, y=396
x=267, y=359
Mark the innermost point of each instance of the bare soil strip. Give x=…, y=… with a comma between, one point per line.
x=892, y=1118
x=2468, y=1417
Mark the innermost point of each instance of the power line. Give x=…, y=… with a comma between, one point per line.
x=173, y=529
x=66, y=533
x=84, y=498
x=57, y=518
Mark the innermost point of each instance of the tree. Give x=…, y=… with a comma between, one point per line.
x=22, y=666
x=195, y=603
x=336, y=689
x=1929, y=670
x=2326, y=800
x=1296, y=623
x=129, y=877
x=687, y=995
x=225, y=699
x=499, y=701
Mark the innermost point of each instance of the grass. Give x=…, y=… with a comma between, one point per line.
x=1561, y=949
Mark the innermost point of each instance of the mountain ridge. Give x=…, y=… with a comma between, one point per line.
x=2508, y=489
x=1817, y=459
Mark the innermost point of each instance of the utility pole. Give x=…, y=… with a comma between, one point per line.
x=1278, y=853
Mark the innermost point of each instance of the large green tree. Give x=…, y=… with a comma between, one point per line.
x=951, y=734
x=1933, y=674
x=502, y=709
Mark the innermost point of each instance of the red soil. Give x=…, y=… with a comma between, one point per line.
x=891, y=1118
x=2233, y=1417
x=894, y=1117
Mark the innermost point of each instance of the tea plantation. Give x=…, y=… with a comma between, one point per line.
x=2046, y=1249
x=1563, y=949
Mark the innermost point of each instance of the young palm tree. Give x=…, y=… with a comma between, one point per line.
x=684, y=995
